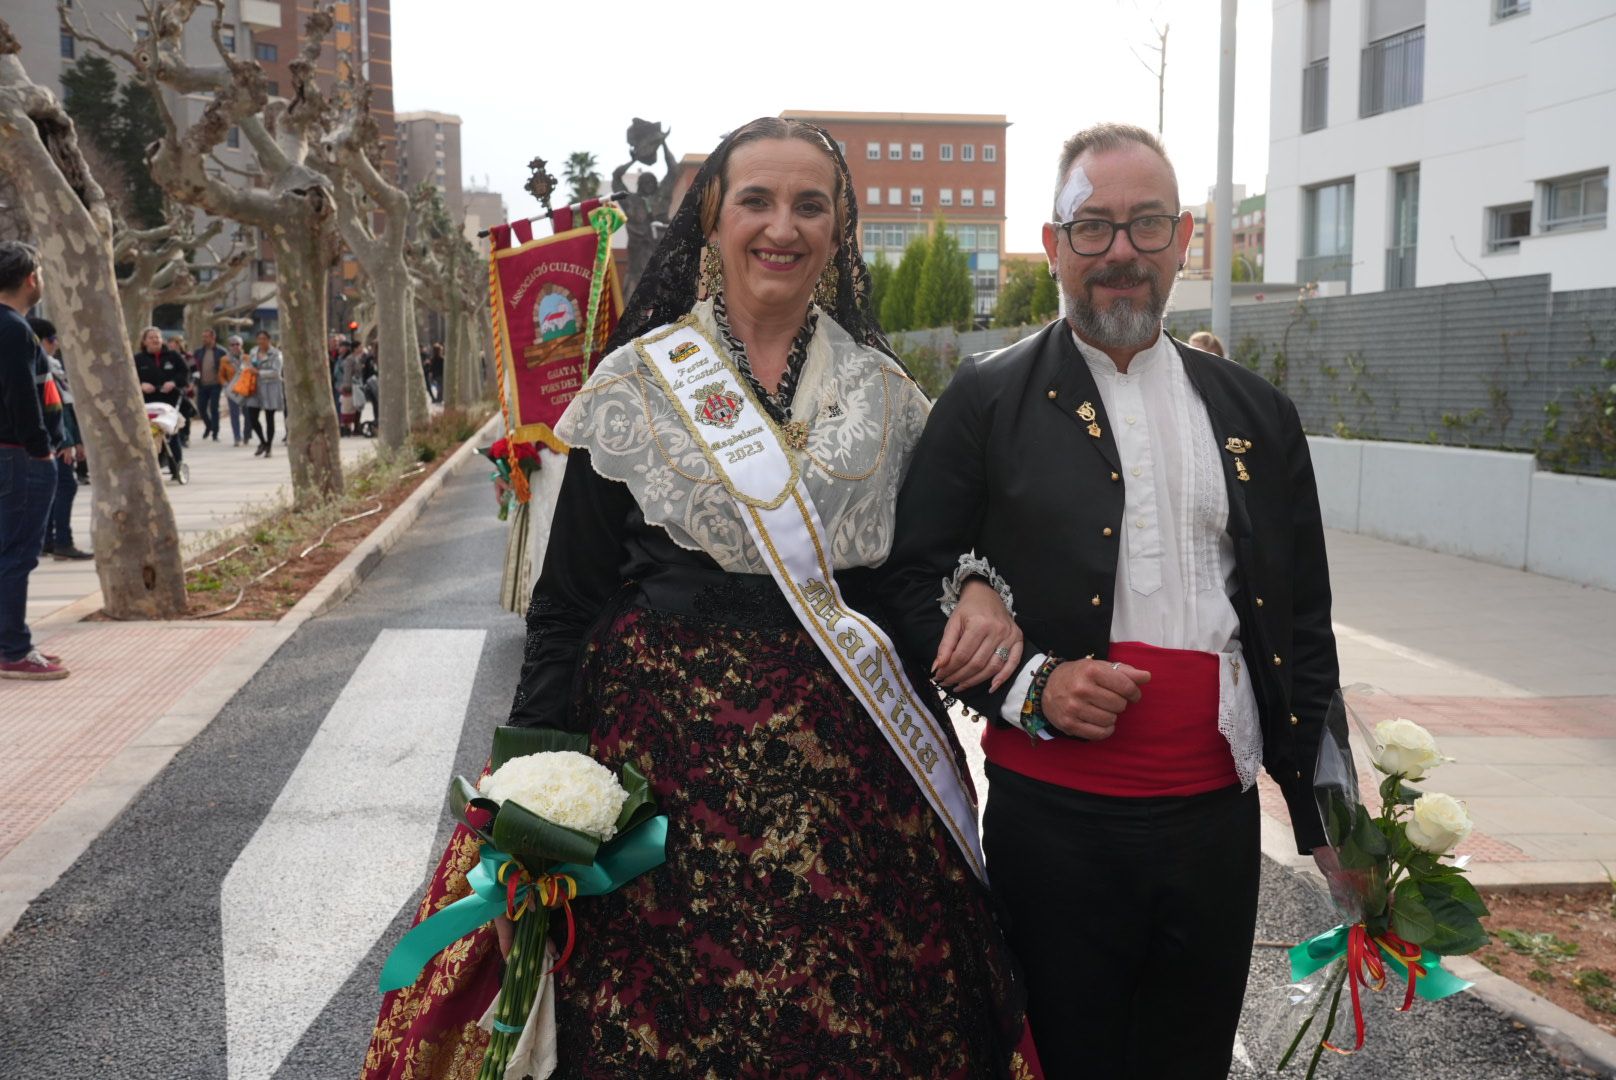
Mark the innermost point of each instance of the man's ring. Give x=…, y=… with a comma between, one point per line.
x=1116, y=665
x=1002, y=652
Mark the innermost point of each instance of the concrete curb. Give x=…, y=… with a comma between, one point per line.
x=51, y=849
x=1570, y=1037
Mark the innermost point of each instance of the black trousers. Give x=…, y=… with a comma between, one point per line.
x=1133, y=921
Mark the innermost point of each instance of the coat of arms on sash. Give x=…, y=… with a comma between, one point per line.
x=717, y=406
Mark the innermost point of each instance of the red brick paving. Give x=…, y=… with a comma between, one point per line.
x=55, y=736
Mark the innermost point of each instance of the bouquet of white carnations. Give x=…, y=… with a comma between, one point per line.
x=555, y=825
x=1406, y=908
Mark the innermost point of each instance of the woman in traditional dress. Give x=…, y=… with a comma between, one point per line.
x=817, y=915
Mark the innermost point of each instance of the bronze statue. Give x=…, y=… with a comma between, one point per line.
x=647, y=207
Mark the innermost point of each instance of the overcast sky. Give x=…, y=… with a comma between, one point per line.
x=532, y=79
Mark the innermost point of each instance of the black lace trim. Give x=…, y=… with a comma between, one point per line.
x=777, y=404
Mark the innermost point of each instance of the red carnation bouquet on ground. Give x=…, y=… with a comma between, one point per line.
x=1406, y=904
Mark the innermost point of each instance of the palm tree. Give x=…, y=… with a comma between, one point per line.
x=581, y=176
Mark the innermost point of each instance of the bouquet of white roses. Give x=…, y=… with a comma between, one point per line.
x=1406, y=906
x=555, y=825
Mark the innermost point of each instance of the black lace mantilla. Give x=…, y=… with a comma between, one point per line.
x=777, y=404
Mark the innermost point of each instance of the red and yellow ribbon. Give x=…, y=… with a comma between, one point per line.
x=523, y=892
x=1366, y=968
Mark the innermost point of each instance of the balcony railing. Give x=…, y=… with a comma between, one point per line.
x=1400, y=267
x=1312, y=268
x=1315, y=95
x=1392, y=74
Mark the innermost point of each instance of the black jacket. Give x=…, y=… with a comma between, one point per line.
x=166, y=366
x=1007, y=467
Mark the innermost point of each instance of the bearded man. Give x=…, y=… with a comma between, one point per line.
x=1150, y=511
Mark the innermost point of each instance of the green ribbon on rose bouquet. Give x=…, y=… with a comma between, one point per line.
x=510, y=833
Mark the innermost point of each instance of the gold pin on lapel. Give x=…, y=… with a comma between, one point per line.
x=1236, y=445
x=796, y=434
x=1240, y=470
x=1094, y=430
x=1086, y=413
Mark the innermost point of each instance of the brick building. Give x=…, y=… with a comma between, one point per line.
x=910, y=167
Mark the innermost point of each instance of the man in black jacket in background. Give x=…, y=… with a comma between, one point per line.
x=1152, y=510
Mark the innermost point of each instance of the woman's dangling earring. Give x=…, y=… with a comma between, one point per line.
x=830, y=281
x=712, y=272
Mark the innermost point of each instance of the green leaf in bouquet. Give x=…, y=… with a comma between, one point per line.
x=1411, y=917
x=511, y=741
x=1366, y=845
x=640, y=805
x=463, y=796
x=539, y=842
x=1339, y=823
x=1458, y=931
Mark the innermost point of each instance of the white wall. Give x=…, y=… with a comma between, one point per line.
x=1480, y=504
x=1506, y=104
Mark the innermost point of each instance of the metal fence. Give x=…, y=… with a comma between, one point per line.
x=1315, y=95
x=1392, y=73
x=1503, y=364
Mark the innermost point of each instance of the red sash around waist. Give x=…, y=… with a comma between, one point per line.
x=1166, y=743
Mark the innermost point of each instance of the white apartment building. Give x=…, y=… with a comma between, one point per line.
x=1425, y=143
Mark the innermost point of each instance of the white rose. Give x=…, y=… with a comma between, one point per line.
x=1403, y=748
x=1439, y=822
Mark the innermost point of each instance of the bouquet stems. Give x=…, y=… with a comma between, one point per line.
x=523, y=967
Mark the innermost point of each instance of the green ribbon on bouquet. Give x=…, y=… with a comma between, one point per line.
x=641, y=849
x=1435, y=983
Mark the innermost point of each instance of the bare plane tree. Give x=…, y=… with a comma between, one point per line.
x=294, y=210
x=131, y=523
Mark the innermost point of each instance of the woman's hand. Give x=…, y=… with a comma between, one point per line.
x=506, y=932
x=981, y=641
x=147, y=388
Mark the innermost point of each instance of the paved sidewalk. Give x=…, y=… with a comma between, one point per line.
x=228, y=485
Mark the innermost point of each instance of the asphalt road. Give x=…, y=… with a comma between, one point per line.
x=232, y=922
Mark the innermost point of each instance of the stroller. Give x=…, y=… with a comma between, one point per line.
x=165, y=421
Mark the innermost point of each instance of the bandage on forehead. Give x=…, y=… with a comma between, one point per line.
x=1073, y=194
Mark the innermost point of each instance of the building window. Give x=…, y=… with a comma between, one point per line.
x=232, y=138
x=917, y=152
x=265, y=269
x=1316, y=75
x=917, y=196
x=967, y=196
x=990, y=152
x=272, y=87
x=872, y=237
x=1405, y=228
x=1575, y=202
x=967, y=152
x=895, y=236
x=1504, y=9
x=1326, y=233
x=872, y=196
x=1506, y=225
x=265, y=52
x=872, y=152
x=895, y=151
x=894, y=196
x=945, y=152
x=945, y=197
x=342, y=27
x=68, y=46
x=1392, y=70
x=990, y=197
x=227, y=37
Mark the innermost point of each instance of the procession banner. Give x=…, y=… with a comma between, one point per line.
x=545, y=295
x=748, y=452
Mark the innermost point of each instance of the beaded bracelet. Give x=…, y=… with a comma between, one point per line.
x=1032, y=710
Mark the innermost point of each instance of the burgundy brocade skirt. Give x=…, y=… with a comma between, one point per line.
x=812, y=918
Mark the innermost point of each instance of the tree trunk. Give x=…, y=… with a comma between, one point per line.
x=311, y=419
x=392, y=292
x=485, y=334
x=134, y=300
x=131, y=523
x=420, y=407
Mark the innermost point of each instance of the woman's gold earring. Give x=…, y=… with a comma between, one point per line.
x=712, y=272
x=830, y=281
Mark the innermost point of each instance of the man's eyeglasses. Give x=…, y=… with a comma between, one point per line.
x=1094, y=236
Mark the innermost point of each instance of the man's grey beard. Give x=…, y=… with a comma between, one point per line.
x=1121, y=325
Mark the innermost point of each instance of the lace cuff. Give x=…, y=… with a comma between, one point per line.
x=971, y=565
